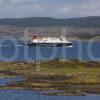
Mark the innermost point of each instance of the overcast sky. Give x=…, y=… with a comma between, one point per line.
x=49, y=8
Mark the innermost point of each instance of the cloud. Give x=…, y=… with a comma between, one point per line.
x=90, y=8
x=51, y=8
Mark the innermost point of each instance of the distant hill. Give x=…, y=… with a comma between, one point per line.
x=93, y=21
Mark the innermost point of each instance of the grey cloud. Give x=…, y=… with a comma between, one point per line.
x=51, y=8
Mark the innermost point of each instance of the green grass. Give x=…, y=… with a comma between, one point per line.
x=77, y=69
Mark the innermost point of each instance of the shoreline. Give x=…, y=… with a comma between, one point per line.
x=71, y=77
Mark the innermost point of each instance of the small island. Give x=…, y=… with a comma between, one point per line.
x=54, y=77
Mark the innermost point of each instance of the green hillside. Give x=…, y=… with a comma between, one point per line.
x=48, y=21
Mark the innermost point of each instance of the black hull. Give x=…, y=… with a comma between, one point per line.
x=49, y=44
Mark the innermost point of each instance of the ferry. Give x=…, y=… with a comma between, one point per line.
x=49, y=41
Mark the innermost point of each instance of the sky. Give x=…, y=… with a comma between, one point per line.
x=49, y=8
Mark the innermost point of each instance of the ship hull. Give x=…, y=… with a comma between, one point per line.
x=50, y=44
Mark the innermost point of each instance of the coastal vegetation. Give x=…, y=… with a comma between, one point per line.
x=69, y=77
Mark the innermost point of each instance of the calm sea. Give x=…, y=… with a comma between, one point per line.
x=14, y=50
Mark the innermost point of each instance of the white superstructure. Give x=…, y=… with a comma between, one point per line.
x=49, y=41
x=37, y=39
